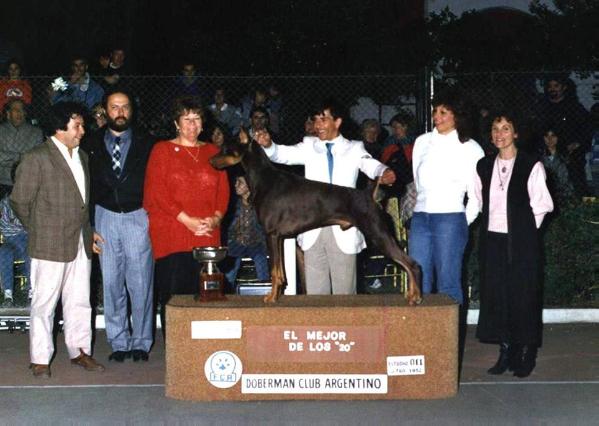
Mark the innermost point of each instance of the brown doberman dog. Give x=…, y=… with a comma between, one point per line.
x=287, y=205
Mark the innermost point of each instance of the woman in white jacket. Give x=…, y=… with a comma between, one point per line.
x=444, y=166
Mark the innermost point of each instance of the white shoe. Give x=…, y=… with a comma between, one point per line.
x=376, y=284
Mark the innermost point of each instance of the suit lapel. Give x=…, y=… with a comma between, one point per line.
x=102, y=152
x=132, y=157
x=61, y=164
x=343, y=145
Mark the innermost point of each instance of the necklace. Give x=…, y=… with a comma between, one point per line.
x=503, y=181
x=195, y=157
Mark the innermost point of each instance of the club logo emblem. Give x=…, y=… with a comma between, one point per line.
x=223, y=369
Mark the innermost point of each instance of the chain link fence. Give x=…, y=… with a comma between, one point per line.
x=289, y=100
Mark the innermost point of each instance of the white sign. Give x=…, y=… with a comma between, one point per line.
x=405, y=365
x=216, y=329
x=314, y=383
x=223, y=369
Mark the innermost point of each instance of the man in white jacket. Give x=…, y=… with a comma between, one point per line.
x=330, y=253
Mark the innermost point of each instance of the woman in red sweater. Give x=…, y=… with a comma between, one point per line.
x=13, y=86
x=185, y=198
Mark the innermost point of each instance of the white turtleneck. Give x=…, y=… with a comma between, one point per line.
x=444, y=171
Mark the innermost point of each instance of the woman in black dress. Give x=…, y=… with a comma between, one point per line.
x=511, y=188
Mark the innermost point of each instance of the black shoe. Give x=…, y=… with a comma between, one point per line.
x=515, y=357
x=503, y=362
x=119, y=356
x=138, y=354
x=527, y=363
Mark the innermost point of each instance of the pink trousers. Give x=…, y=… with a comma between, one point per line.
x=49, y=281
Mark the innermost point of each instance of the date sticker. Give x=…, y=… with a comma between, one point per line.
x=405, y=365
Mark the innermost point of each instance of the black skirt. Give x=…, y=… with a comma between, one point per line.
x=177, y=273
x=509, y=306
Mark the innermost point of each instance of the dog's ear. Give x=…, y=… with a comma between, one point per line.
x=244, y=137
x=253, y=145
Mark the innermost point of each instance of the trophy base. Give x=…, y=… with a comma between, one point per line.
x=210, y=296
x=212, y=287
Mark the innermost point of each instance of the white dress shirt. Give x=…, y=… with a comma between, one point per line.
x=349, y=158
x=74, y=163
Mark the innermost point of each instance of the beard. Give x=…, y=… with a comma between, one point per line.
x=118, y=124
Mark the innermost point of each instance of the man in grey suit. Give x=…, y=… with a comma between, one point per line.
x=117, y=161
x=51, y=199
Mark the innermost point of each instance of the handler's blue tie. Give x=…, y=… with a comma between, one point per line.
x=330, y=160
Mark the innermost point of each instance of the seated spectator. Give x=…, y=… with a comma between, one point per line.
x=16, y=137
x=14, y=247
x=80, y=86
x=400, y=137
x=188, y=83
x=260, y=120
x=219, y=134
x=224, y=112
x=101, y=65
x=370, y=130
x=13, y=86
x=116, y=69
x=259, y=98
x=275, y=108
x=309, y=129
x=245, y=235
x=561, y=110
x=99, y=115
x=558, y=180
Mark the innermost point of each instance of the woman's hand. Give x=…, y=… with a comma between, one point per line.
x=201, y=226
x=208, y=224
x=190, y=222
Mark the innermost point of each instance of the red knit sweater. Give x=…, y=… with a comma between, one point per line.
x=175, y=182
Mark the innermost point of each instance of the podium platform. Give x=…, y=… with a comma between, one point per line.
x=311, y=347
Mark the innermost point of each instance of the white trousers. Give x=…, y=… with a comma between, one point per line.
x=328, y=269
x=49, y=281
